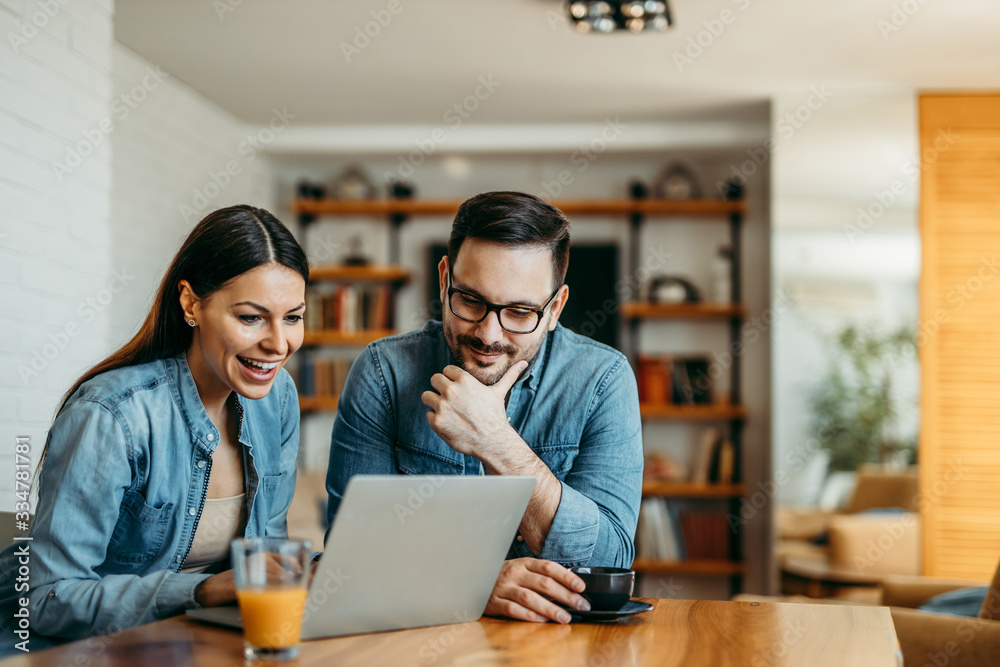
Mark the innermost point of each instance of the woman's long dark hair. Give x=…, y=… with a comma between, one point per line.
x=224, y=245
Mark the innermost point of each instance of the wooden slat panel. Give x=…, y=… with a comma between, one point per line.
x=960, y=361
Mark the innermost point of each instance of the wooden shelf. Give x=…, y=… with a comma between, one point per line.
x=439, y=207
x=368, y=273
x=691, y=567
x=652, y=487
x=318, y=403
x=356, y=339
x=641, y=310
x=671, y=412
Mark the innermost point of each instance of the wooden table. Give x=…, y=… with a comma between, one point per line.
x=676, y=632
x=820, y=579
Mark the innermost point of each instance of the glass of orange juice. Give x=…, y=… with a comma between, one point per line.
x=271, y=576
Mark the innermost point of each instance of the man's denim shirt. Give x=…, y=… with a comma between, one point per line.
x=577, y=407
x=122, y=490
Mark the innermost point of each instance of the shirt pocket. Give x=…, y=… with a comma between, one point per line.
x=270, y=484
x=558, y=458
x=140, y=530
x=412, y=461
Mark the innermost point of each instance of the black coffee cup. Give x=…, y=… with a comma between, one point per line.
x=608, y=588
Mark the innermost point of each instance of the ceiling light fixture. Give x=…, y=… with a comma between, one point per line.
x=632, y=15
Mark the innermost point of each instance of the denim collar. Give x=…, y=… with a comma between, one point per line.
x=189, y=401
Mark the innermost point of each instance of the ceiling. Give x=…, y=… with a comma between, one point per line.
x=249, y=56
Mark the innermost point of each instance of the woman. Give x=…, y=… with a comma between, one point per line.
x=183, y=439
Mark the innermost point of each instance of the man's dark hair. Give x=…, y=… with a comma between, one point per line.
x=513, y=219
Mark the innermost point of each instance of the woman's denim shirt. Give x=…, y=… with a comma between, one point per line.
x=577, y=407
x=122, y=490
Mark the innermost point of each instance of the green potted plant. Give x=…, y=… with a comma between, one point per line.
x=856, y=406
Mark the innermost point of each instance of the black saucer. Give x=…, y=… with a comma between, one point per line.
x=631, y=607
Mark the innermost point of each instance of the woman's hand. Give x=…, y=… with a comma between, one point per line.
x=526, y=587
x=220, y=589
x=217, y=590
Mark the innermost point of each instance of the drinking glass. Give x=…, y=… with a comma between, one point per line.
x=271, y=576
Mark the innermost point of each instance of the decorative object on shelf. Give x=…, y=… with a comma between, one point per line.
x=692, y=382
x=722, y=275
x=637, y=189
x=356, y=256
x=633, y=15
x=654, y=379
x=353, y=184
x=677, y=181
x=734, y=189
x=673, y=289
x=660, y=467
x=306, y=189
x=402, y=190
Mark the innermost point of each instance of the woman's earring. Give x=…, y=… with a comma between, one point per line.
x=191, y=322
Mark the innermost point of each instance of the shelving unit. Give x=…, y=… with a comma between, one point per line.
x=635, y=312
x=730, y=413
x=392, y=275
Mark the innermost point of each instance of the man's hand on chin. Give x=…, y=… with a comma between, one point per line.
x=528, y=589
x=470, y=416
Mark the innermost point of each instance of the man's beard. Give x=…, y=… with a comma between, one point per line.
x=488, y=374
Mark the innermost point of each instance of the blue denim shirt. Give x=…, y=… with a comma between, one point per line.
x=122, y=490
x=577, y=407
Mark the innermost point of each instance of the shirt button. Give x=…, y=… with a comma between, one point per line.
x=201, y=464
x=192, y=511
x=52, y=595
x=520, y=538
x=210, y=437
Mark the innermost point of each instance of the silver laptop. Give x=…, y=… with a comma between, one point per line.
x=408, y=551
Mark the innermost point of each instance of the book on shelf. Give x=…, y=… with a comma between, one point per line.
x=706, y=535
x=715, y=459
x=322, y=377
x=350, y=308
x=658, y=533
x=674, y=380
x=703, y=456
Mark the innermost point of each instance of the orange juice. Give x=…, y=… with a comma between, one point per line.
x=272, y=616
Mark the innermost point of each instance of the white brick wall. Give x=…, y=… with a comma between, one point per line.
x=55, y=82
x=133, y=145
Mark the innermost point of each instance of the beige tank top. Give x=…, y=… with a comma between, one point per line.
x=221, y=522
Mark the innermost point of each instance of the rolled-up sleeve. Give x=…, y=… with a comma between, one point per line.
x=597, y=515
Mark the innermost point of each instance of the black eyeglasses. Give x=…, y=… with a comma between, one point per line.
x=514, y=319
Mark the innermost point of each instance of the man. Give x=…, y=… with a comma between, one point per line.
x=499, y=388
